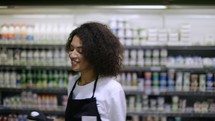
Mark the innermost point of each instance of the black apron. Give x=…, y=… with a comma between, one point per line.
x=76, y=108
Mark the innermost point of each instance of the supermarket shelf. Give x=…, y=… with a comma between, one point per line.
x=28, y=45
x=127, y=92
x=171, y=68
x=134, y=92
x=146, y=47
x=19, y=67
x=171, y=93
x=26, y=111
x=188, y=93
x=172, y=47
x=191, y=69
x=61, y=113
x=193, y=47
x=125, y=68
x=46, y=91
x=174, y=114
x=139, y=69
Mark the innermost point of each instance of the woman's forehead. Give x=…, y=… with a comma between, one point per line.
x=76, y=41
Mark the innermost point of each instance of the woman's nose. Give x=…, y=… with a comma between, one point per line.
x=73, y=54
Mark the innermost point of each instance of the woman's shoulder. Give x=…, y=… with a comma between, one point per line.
x=110, y=83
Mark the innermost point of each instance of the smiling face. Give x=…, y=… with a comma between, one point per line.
x=79, y=63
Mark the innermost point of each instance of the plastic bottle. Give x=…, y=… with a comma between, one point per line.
x=29, y=80
x=23, y=79
x=49, y=34
x=134, y=79
x=3, y=57
x=60, y=83
x=171, y=82
x=43, y=33
x=23, y=32
x=50, y=79
x=62, y=33
x=210, y=82
x=155, y=58
x=186, y=83
x=65, y=79
x=194, y=82
x=4, y=32
x=140, y=85
x=10, y=57
x=140, y=58
x=163, y=82
x=30, y=57
x=17, y=31
x=148, y=59
x=62, y=57
x=202, y=82
x=17, y=57
x=23, y=57
x=163, y=57
x=29, y=33
x=0, y=37
x=43, y=60
x=148, y=82
x=7, y=79
x=34, y=78
x=133, y=58
x=128, y=79
x=1, y=79
x=11, y=32
x=56, y=79
x=36, y=57
x=13, y=79
x=178, y=84
x=49, y=58
x=129, y=37
x=36, y=33
x=39, y=79
x=126, y=58
x=44, y=80
x=123, y=79
x=18, y=80
x=155, y=82
x=55, y=33
x=56, y=57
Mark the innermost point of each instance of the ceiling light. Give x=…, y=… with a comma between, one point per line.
x=134, y=7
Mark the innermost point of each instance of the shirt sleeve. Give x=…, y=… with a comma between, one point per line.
x=118, y=106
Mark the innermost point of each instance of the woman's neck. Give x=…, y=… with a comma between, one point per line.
x=87, y=77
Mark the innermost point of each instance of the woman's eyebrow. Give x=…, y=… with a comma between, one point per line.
x=76, y=46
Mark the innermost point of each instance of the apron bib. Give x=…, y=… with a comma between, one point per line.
x=82, y=109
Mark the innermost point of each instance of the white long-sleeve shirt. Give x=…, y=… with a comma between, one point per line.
x=110, y=97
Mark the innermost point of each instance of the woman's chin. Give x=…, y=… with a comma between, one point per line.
x=75, y=69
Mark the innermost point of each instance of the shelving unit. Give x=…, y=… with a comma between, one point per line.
x=137, y=20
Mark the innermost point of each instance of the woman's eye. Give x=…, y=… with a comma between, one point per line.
x=80, y=51
x=71, y=49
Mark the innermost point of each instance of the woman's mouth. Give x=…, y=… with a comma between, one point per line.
x=74, y=62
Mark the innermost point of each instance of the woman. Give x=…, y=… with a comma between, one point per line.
x=94, y=94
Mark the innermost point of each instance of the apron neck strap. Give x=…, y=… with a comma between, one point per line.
x=94, y=88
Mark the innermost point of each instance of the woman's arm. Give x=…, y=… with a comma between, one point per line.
x=118, y=106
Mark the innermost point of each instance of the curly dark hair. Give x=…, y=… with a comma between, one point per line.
x=101, y=48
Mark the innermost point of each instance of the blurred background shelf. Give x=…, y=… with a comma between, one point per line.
x=190, y=115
